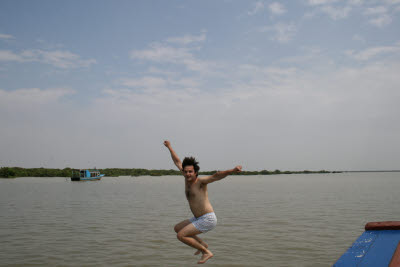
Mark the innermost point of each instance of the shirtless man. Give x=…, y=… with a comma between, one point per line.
x=204, y=218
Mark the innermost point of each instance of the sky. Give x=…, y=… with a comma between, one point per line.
x=288, y=85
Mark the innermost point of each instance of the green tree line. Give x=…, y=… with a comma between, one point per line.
x=13, y=172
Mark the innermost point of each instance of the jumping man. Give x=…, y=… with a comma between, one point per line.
x=204, y=218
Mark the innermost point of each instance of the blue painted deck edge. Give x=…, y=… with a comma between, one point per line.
x=357, y=251
x=372, y=248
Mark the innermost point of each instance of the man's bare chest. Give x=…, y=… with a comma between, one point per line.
x=194, y=191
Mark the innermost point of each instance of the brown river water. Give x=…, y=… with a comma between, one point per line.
x=276, y=220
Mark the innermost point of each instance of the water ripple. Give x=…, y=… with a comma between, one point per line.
x=268, y=221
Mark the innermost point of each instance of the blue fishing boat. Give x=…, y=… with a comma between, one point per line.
x=86, y=175
x=378, y=246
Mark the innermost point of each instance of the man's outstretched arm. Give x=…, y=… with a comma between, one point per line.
x=219, y=175
x=174, y=156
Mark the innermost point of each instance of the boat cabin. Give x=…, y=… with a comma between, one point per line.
x=86, y=174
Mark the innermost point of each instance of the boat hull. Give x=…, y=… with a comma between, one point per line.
x=87, y=178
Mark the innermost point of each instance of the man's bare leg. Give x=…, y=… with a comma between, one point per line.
x=184, y=223
x=201, y=242
x=186, y=235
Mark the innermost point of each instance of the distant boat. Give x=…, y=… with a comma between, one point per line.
x=379, y=245
x=86, y=175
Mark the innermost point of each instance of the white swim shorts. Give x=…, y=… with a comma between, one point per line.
x=205, y=222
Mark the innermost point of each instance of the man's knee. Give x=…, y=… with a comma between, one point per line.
x=181, y=225
x=180, y=235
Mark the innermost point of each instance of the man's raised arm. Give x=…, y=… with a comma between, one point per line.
x=220, y=175
x=174, y=156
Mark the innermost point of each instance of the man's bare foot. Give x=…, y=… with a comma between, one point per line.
x=205, y=257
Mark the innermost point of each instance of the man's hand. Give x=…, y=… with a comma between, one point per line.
x=167, y=143
x=237, y=168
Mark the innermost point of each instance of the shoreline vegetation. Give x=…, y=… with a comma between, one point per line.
x=15, y=172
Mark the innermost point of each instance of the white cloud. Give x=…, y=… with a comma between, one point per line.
x=379, y=15
x=381, y=21
x=266, y=72
x=375, y=10
x=372, y=52
x=257, y=7
x=393, y=2
x=187, y=39
x=6, y=36
x=7, y=55
x=155, y=83
x=160, y=53
x=310, y=110
x=63, y=59
x=277, y=8
x=159, y=71
x=290, y=111
x=379, y=12
x=320, y=2
x=60, y=59
x=31, y=97
x=336, y=12
x=144, y=82
x=356, y=2
x=282, y=32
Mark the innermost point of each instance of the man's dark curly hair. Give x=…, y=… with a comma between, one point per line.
x=191, y=161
